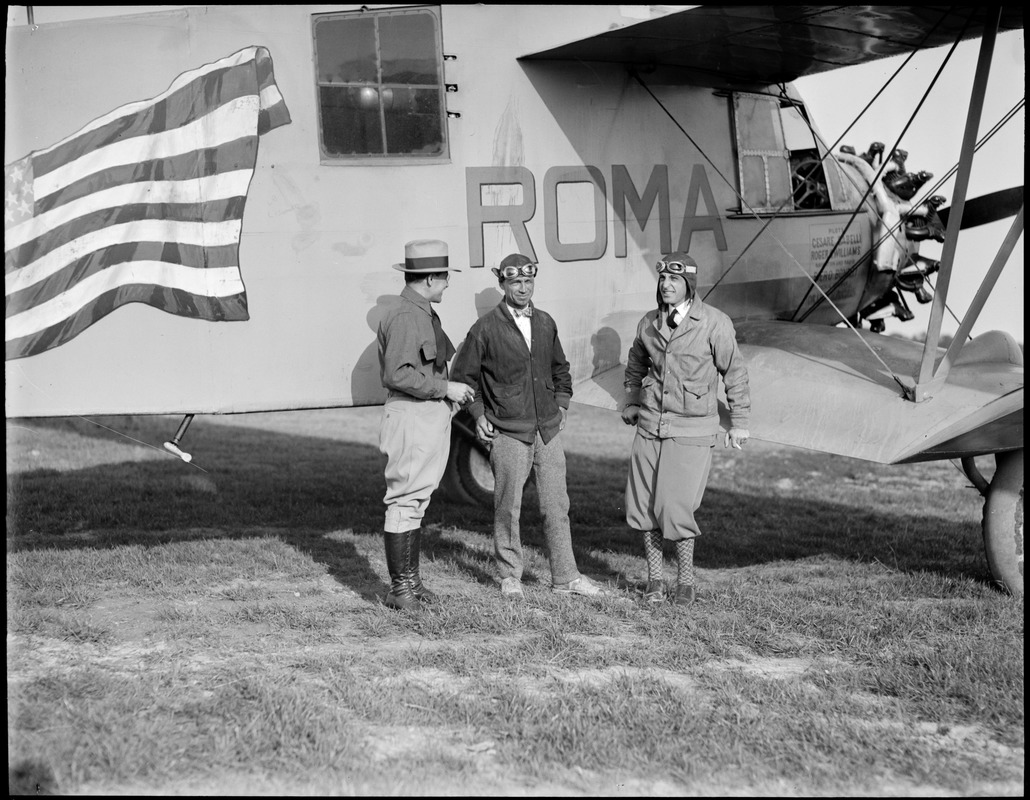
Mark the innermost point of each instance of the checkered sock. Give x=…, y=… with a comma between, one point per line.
x=685, y=559
x=653, y=552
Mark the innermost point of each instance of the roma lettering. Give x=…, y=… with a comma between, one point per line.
x=624, y=194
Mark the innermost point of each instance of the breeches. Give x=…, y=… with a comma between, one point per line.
x=415, y=436
x=665, y=486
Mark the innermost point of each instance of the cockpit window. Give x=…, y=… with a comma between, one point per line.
x=777, y=156
x=380, y=84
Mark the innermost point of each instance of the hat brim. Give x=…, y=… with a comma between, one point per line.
x=430, y=271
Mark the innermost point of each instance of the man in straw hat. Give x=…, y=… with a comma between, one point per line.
x=415, y=431
x=672, y=377
x=513, y=356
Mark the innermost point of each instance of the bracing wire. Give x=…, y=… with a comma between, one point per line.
x=828, y=152
x=879, y=172
x=744, y=204
x=925, y=194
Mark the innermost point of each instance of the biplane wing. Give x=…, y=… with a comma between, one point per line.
x=820, y=388
x=742, y=44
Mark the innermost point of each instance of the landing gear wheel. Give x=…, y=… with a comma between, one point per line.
x=1003, y=522
x=472, y=471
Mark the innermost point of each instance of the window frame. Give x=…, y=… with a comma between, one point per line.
x=383, y=159
x=837, y=196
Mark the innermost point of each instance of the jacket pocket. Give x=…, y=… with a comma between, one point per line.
x=651, y=392
x=696, y=399
x=509, y=400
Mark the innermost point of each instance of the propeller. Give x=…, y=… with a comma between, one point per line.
x=988, y=208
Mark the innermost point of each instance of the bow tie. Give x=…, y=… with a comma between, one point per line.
x=523, y=312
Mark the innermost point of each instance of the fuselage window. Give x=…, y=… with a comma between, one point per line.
x=380, y=85
x=777, y=156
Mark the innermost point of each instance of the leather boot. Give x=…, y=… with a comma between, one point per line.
x=684, y=595
x=398, y=564
x=420, y=591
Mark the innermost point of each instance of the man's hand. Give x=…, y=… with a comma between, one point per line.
x=736, y=437
x=630, y=414
x=485, y=430
x=564, y=418
x=460, y=393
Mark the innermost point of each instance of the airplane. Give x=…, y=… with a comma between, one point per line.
x=203, y=204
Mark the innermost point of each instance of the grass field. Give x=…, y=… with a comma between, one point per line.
x=216, y=628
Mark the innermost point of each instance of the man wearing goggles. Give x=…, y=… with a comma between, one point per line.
x=512, y=271
x=514, y=360
x=675, y=268
x=672, y=378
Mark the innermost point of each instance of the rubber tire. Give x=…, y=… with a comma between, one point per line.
x=471, y=465
x=1003, y=522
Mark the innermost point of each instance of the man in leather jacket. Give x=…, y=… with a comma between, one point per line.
x=672, y=378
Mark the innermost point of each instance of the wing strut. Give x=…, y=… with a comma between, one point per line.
x=986, y=287
x=927, y=381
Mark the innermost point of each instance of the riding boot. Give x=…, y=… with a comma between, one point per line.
x=398, y=561
x=420, y=591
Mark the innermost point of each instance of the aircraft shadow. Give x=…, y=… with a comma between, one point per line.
x=304, y=489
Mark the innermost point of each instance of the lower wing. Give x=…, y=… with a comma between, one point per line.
x=822, y=389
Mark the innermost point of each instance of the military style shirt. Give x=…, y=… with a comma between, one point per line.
x=413, y=355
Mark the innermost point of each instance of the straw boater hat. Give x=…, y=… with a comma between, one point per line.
x=424, y=256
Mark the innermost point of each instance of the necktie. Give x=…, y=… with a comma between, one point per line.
x=672, y=320
x=441, y=342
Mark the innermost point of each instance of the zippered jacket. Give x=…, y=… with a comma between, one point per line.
x=518, y=390
x=673, y=375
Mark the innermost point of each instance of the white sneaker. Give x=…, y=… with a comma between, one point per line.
x=511, y=587
x=582, y=585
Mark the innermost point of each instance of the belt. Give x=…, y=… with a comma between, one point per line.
x=394, y=395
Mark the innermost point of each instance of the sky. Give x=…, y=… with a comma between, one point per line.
x=934, y=142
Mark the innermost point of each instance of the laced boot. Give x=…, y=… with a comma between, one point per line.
x=398, y=564
x=415, y=577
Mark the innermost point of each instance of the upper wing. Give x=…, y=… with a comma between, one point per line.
x=776, y=43
x=818, y=387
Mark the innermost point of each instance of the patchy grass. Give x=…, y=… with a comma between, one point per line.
x=173, y=630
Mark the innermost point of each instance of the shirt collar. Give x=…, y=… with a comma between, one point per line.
x=681, y=309
x=515, y=311
x=412, y=296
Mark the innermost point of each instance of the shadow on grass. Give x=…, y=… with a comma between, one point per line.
x=304, y=488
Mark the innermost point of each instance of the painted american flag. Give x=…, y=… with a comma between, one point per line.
x=144, y=204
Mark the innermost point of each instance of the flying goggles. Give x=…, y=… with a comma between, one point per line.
x=525, y=270
x=675, y=268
